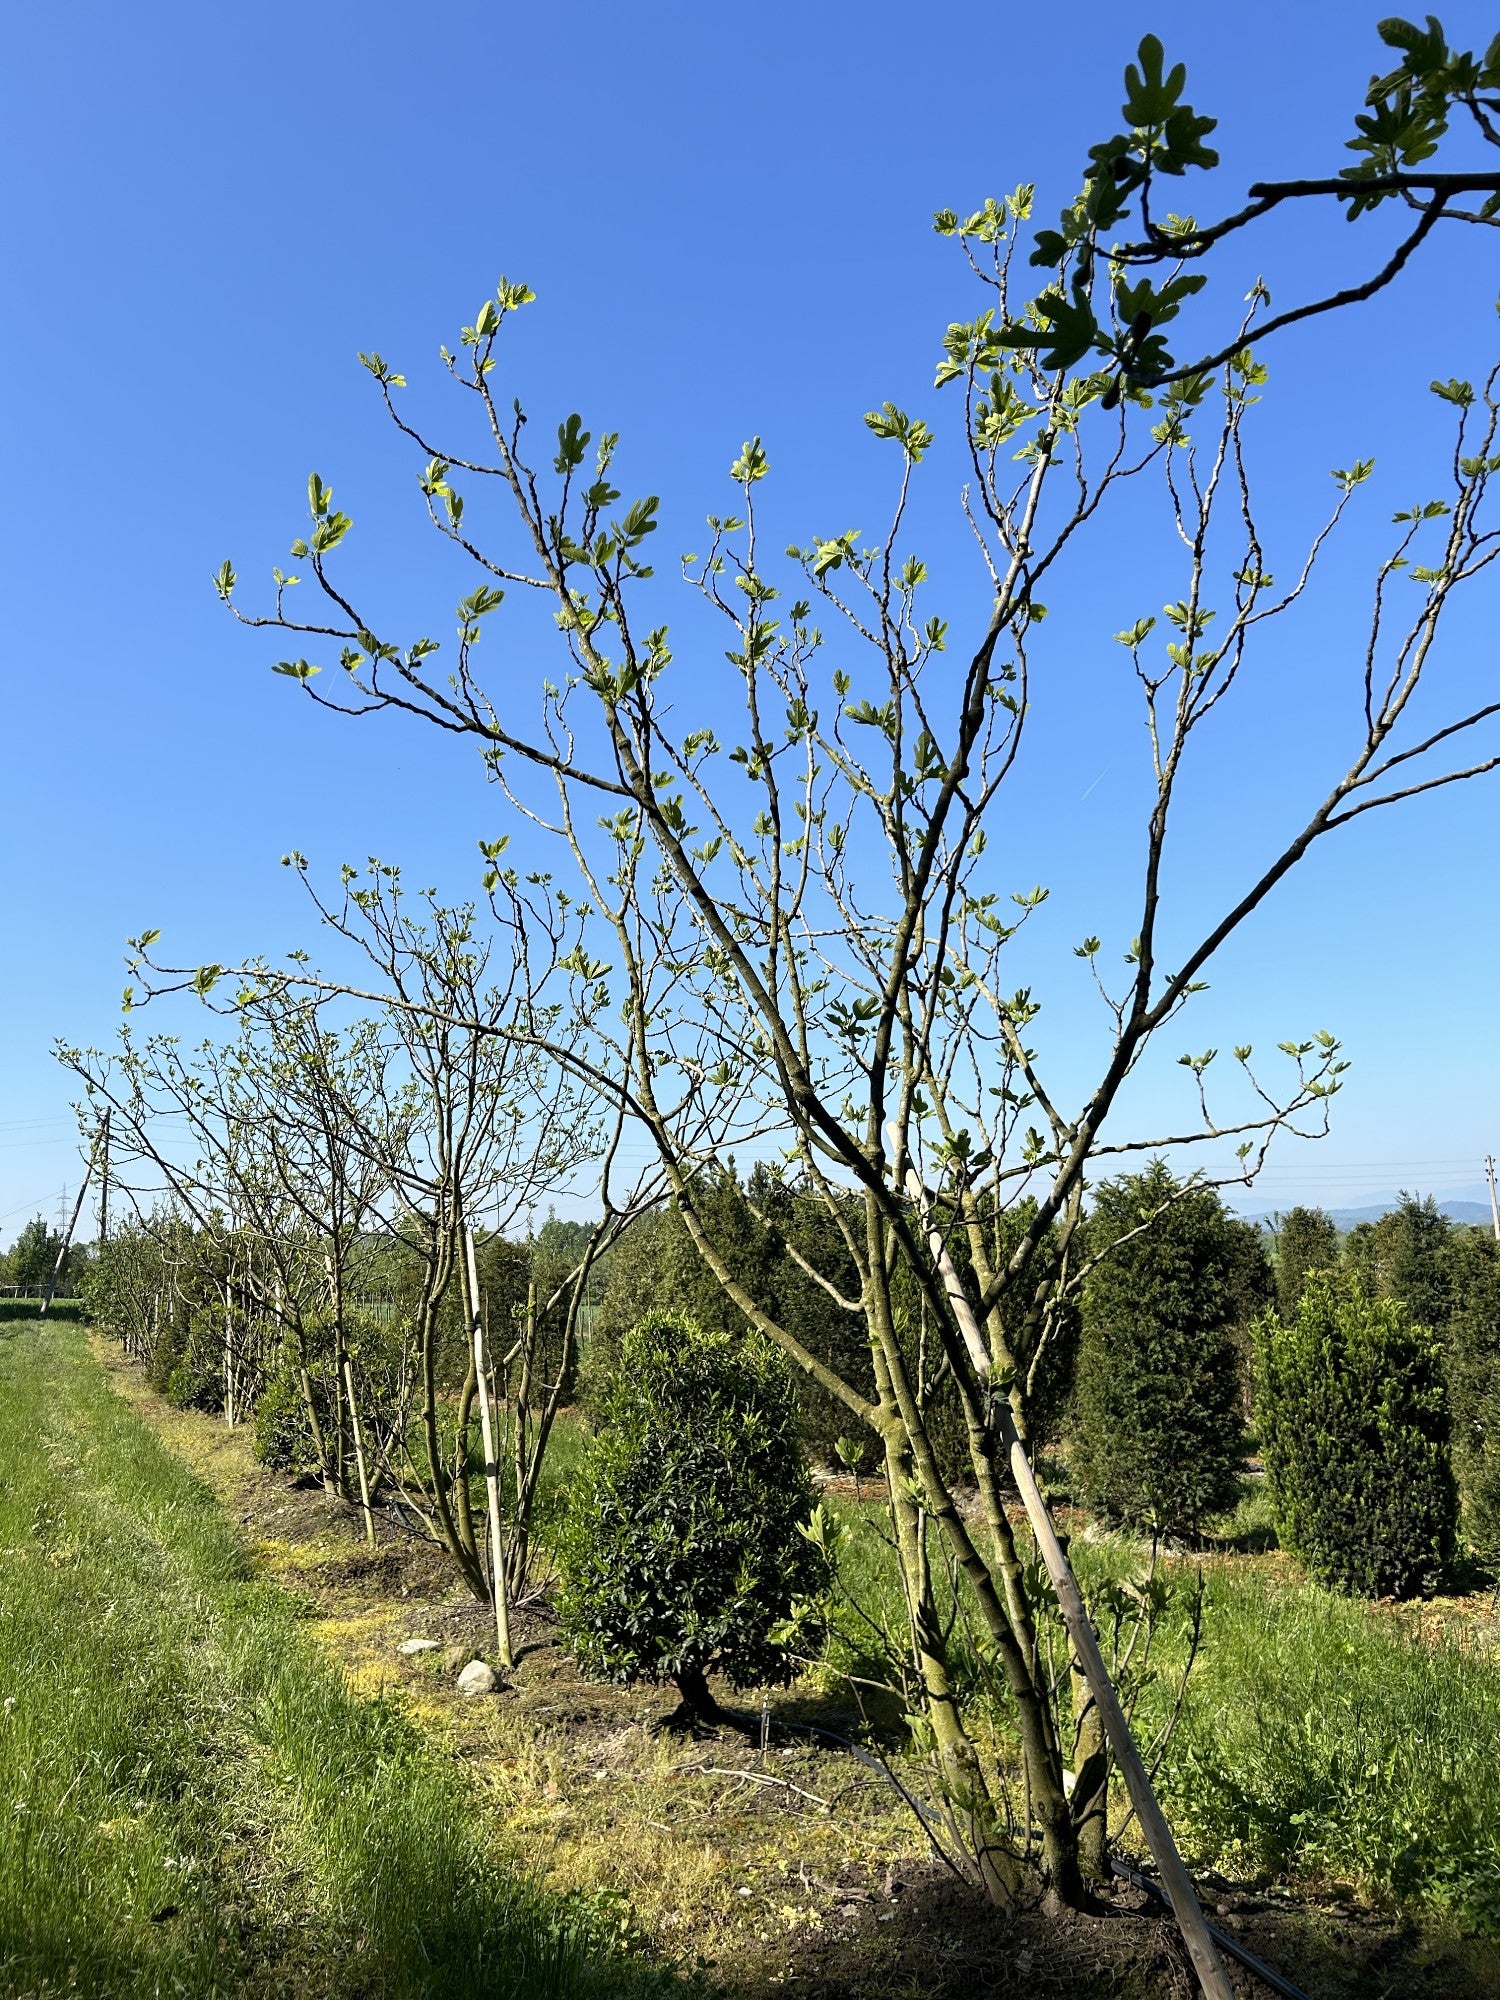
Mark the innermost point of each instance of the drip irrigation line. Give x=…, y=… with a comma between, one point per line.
x=1277, y=1981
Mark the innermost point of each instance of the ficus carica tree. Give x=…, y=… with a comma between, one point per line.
x=793, y=922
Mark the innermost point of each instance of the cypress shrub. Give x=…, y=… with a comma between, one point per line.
x=1472, y=1344
x=1353, y=1423
x=1306, y=1240
x=1156, y=1439
x=681, y=1552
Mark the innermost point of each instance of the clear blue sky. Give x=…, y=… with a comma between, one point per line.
x=726, y=213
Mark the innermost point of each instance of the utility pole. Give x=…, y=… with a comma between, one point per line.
x=1489, y=1174
x=62, y=1251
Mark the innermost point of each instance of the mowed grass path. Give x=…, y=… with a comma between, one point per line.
x=191, y=1801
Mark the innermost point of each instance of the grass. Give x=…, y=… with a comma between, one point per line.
x=1325, y=1738
x=191, y=1799
x=707, y=1852
x=1323, y=1741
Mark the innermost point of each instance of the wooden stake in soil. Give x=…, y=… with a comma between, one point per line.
x=491, y=1462
x=229, y=1382
x=1175, y=1879
x=62, y=1251
x=359, y=1452
x=104, y=1181
x=346, y=1383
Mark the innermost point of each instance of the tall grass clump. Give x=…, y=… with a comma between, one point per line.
x=1326, y=1739
x=190, y=1796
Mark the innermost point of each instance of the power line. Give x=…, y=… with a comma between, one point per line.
x=36, y=1204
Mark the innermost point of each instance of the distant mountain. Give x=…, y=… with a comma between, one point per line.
x=1347, y=1218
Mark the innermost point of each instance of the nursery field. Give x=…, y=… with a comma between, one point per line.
x=682, y=1401
x=222, y=1774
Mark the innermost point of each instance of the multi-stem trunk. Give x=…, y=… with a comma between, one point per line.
x=917, y=1490
x=436, y=1276
x=1090, y=1795
x=345, y=1389
x=998, y=1592
x=469, y=1273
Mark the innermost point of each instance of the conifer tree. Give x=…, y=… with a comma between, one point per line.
x=1157, y=1432
x=1354, y=1427
x=1307, y=1239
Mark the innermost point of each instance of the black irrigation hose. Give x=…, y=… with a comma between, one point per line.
x=1277, y=1981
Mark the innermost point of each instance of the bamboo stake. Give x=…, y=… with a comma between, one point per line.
x=359, y=1452
x=491, y=1462
x=1175, y=1879
x=228, y=1355
x=346, y=1383
x=104, y=1180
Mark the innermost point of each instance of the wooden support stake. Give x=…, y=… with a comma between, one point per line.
x=491, y=1462
x=359, y=1452
x=62, y=1251
x=104, y=1181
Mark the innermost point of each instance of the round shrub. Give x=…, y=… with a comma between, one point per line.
x=1353, y=1423
x=681, y=1552
x=283, y=1435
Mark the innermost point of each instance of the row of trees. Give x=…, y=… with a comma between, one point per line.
x=1170, y=1354
x=1408, y=1306
x=785, y=923
x=1367, y=1365
x=31, y=1260
x=326, y=1207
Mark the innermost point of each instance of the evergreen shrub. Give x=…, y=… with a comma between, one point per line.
x=1307, y=1240
x=1157, y=1433
x=1471, y=1343
x=1353, y=1423
x=283, y=1436
x=682, y=1550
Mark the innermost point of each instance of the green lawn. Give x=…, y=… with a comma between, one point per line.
x=191, y=1802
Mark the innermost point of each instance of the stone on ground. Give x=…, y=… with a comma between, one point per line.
x=478, y=1677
